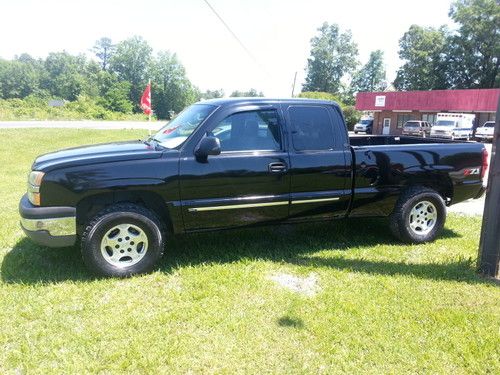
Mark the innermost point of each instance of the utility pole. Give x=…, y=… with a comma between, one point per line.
x=489, y=245
x=293, y=86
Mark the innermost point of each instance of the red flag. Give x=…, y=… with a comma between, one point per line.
x=146, y=100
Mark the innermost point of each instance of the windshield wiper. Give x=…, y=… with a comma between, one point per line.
x=156, y=142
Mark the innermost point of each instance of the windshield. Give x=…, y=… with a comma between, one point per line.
x=180, y=128
x=445, y=123
x=489, y=125
x=411, y=124
x=365, y=122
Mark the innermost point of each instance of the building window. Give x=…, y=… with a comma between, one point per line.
x=429, y=117
x=403, y=118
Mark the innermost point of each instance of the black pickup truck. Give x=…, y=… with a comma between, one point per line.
x=239, y=162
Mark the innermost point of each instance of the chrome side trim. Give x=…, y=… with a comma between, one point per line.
x=236, y=206
x=315, y=200
x=58, y=226
x=265, y=204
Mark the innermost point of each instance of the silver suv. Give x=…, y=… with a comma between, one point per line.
x=417, y=128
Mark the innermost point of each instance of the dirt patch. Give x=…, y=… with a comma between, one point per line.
x=307, y=286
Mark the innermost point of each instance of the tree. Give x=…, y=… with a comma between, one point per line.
x=18, y=79
x=423, y=50
x=171, y=89
x=333, y=56
x=246, y=94
x=63, y=75
x=116, y=98
x=131, y=61
x=212, y=94
x=474, y=53
x=103, y=49
x=371, y=77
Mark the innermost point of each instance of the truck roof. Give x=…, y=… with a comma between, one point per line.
x=260, y=100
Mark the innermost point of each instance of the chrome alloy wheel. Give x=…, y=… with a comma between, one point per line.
x=423, y=217
x=124, y=245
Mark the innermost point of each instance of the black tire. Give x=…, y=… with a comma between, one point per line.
x=142, y=222
x=402, y=214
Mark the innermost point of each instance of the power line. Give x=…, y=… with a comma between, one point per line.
x=235, y=36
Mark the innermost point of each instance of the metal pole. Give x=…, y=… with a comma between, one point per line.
x=489, y=245
x=293, y=86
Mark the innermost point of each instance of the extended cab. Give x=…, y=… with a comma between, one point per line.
x=239, y=162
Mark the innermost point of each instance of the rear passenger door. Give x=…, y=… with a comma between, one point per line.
x=320, y=162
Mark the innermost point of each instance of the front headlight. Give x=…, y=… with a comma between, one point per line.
x=34, y=182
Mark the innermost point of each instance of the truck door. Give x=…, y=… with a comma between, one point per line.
x=320, y=162
x=249, y=182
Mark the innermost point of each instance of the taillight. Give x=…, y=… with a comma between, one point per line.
x=484, y=165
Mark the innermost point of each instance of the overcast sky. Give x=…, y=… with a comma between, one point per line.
x=276, y=32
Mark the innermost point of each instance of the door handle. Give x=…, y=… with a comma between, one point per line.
x=277, y=167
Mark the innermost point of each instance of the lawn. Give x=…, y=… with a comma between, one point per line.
x=214, y=306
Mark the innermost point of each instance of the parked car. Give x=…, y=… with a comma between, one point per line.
x=229, y=163
x=365, y=125
x=453, y=126
x=417, y=128
x=485, y=133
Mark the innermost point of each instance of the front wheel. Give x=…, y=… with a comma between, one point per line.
x=123, y=240
x=419, y=215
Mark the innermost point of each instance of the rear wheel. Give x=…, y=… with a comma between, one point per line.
x=419, y=215
x=123, y=240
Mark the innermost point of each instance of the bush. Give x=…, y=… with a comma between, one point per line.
x=320, y=95
x=83, y=108
x=351, y=115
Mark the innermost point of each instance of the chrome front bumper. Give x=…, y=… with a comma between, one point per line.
x=60, y=226
x=48, y=226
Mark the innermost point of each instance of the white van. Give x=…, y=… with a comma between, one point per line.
x=453, y=126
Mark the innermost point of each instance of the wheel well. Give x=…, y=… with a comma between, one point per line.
x=90, y=206
x=439, y=183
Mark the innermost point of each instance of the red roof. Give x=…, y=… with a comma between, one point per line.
x=477, y=100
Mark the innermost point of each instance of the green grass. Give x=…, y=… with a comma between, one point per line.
x=381, y=306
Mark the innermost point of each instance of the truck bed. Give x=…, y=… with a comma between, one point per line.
x=386, y=165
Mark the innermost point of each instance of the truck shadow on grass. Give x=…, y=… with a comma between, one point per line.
x=29, y=263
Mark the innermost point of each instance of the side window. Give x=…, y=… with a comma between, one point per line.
x=249, y=131
x=311, y=128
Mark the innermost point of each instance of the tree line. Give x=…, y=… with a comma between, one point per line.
x=433, y=58
x=114, y=80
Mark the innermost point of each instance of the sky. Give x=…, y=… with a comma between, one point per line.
x=277, y=33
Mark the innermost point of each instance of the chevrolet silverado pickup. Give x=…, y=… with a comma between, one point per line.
x=227, y=163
